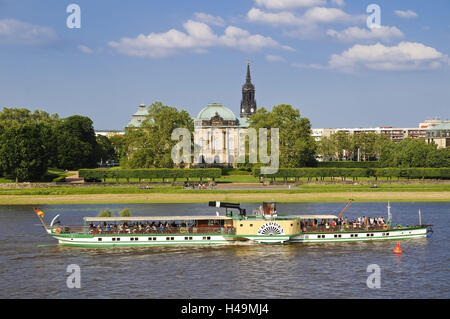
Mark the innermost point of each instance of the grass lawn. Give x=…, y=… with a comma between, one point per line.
x=305, y=193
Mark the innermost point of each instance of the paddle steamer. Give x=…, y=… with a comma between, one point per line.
x=264, y=225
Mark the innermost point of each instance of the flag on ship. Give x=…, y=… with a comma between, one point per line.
x=39, y=212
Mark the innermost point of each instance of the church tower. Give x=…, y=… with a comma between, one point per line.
x=248, y=103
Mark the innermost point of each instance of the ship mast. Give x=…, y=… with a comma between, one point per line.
x=343, y=211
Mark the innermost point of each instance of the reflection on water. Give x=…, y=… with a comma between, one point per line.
x=32, y=266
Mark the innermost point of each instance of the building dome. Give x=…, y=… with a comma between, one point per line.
x=214, y=109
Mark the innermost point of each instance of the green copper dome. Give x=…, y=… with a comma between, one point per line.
x=210, y=111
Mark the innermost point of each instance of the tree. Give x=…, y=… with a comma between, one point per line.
x=77, y=145
x=438, y=158
x=150, y=145
x=106, y=150
x=23, y=153
x=105, y=213
x=413, y=153
x=118, y=142
x=13, y=117
x=326, y=148
x=125, y=213
x=297, y=146
x=342, y=141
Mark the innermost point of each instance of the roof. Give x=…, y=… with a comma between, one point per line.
x=153, y=218
x=142, y=110
x=210, y=111
x=315, y=216
x=443, y=126
x=138, y=117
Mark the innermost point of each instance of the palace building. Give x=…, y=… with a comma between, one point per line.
x=216, y=128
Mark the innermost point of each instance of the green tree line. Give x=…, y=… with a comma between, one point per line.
x=31, y=142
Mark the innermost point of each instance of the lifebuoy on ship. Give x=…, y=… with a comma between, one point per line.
x=182, y=230
x=57, y=230
x=385, y=227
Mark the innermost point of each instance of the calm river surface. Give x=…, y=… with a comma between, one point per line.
x=337, y=270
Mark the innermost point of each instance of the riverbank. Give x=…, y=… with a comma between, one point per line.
x=204, y=197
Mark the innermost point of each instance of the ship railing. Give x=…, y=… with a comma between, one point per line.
x=67, y=229
x=344, y=228
x=165, y=230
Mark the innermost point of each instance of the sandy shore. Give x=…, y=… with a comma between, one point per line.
x=442, y=196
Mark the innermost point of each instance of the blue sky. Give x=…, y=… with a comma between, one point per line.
x=317, y=55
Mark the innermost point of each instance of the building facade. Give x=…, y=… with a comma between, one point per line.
x=217, y=130
x=396, y=134
x=439, y=134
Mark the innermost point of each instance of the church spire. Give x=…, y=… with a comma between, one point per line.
x=248, y=103
x=249, y=78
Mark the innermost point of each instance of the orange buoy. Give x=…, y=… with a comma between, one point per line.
x=397, y=249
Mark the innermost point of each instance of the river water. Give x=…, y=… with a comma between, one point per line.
x=32, y=266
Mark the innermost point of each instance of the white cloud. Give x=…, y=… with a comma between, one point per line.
x=209, y=19
x=279, y=18
x=275, y=58
x=85, y=49
x=352, y=34
x=339, y=3
x=309, y=66
x=289, y=4
x=327, y=15
x=408, y=14
x=312, y=16
x=197, y=38
x=18, y=32
x=404, y=56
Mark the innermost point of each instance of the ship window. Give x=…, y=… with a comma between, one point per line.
x=251, y=225
x=186, y=238
x=118, y=239
x=387, y=234
x=335, y=236
x=167, y=238
x=150, y=238
x=99, y=239
x=318, y=236
x=368, y=235
x=356, y=235
x=204, y=238
x=242, y=225
x=340, y=236
x=131, y=238
x=136, y=238
x=113, y=239
x=209, y=238
x=190, y=238
x=351, y=235
x=172, y=238
x=323, y=236
x=292, y=225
